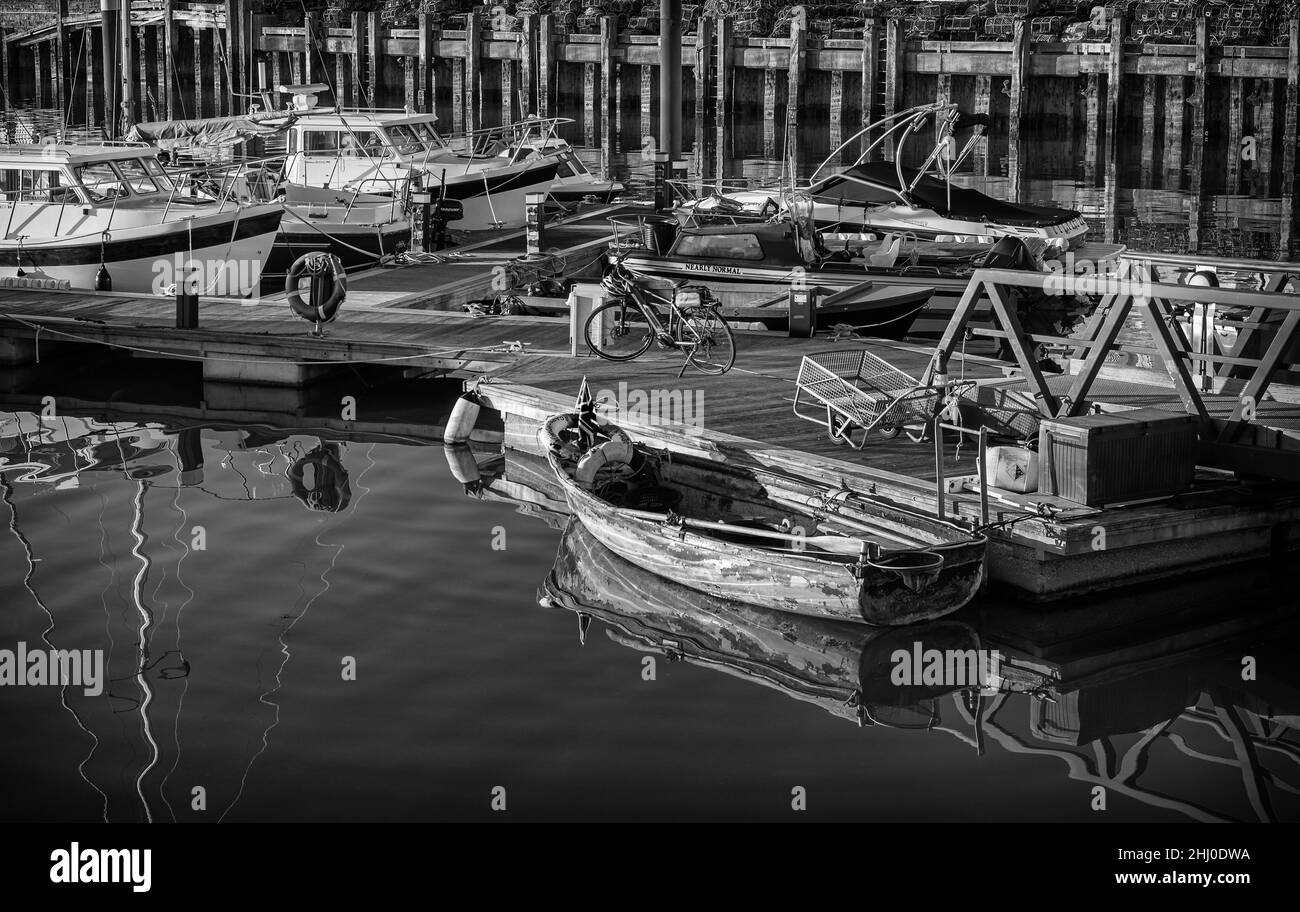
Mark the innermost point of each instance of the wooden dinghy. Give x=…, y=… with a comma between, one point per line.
x=717, y=529
x=846, y=669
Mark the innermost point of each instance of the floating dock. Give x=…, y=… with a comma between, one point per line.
x=251, y=355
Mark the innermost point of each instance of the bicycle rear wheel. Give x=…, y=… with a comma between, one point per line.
x=715, y=346
x=624, y=332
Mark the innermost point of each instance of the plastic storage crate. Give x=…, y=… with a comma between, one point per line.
x=1118, y=456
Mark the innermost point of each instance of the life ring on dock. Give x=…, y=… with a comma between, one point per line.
x=617, y=450
x=330, y=491
x=323, y=266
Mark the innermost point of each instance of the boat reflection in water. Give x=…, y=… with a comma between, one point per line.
x=842, y=667
x=1139, y=695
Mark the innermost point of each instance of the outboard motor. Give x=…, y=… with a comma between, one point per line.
x=1009, y=253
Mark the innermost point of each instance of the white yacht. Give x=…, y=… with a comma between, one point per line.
x=488, y=172
x=108, y=217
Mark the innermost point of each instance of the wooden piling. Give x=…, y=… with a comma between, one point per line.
x=142, y=68
x=589, y=102
x=791, y=140
x=372, y=58
x=473, y=81
x=199, y=81
x=1289, y=127
x=546, y=66
x=982, y=159
x=277, y=79
x=458, y=66
x=1114, y=95
x=358, y=52
x=769, y=113
x=724, y=86
x=309, y=60
x=61, y=57
x=893, y=76
x=870, y=69
x=647, y=119
x=608, y=94
x=528, y=63
x=1197, y=104
x=508, y=99
x=703, y=73
x=836, y=112
x=1019, y=78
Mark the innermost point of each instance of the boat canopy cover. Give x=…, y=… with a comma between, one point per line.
x=209, y=131
x=960, y=202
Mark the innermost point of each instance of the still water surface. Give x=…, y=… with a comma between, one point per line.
x=225, y=667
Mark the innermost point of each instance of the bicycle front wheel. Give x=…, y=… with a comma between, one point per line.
x=714, y=349
x=618, y=331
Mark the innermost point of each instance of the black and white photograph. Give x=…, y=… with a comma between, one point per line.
x=650, y=411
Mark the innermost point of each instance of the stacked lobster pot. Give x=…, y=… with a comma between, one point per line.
x=566, y=13
x=751, y=18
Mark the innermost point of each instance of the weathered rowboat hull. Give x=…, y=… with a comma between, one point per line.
x=844, y=668
x=777, y=578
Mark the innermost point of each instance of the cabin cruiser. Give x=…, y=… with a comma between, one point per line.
x=886, y=196
x=488, y=173
x=109, y=217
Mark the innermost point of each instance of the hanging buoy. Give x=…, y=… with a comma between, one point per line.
x=463, y=418
x=464, y=467
x=103, y=281
x=327, y=291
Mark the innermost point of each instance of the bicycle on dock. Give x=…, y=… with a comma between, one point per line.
x=624, y=327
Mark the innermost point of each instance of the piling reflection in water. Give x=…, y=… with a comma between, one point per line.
x=186, y=555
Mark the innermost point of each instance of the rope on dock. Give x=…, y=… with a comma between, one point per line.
x=503, y=348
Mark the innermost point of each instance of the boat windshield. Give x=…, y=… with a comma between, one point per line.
x=158, y=173
x=102, y=181
x=137, y=176
x=413, y=138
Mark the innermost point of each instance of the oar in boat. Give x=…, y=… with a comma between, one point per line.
x=837, y=544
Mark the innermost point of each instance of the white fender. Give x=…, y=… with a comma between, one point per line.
x=463, y=418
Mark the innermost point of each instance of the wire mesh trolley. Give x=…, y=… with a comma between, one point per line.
x=853, y=390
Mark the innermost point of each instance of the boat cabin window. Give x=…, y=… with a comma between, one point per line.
x=571, y=166
x=102, y=181
x=158, y=173
x=320, y=142
x=137, y=178
x=413, y=138
x=34, y=185
x=851, y=191
x=361, y=144
x=720, y=246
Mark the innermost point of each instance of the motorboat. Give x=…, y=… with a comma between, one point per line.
x=886, y=196
x=109, y=217
x=486, y=174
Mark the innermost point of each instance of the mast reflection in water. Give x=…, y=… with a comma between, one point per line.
x=232, y=575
